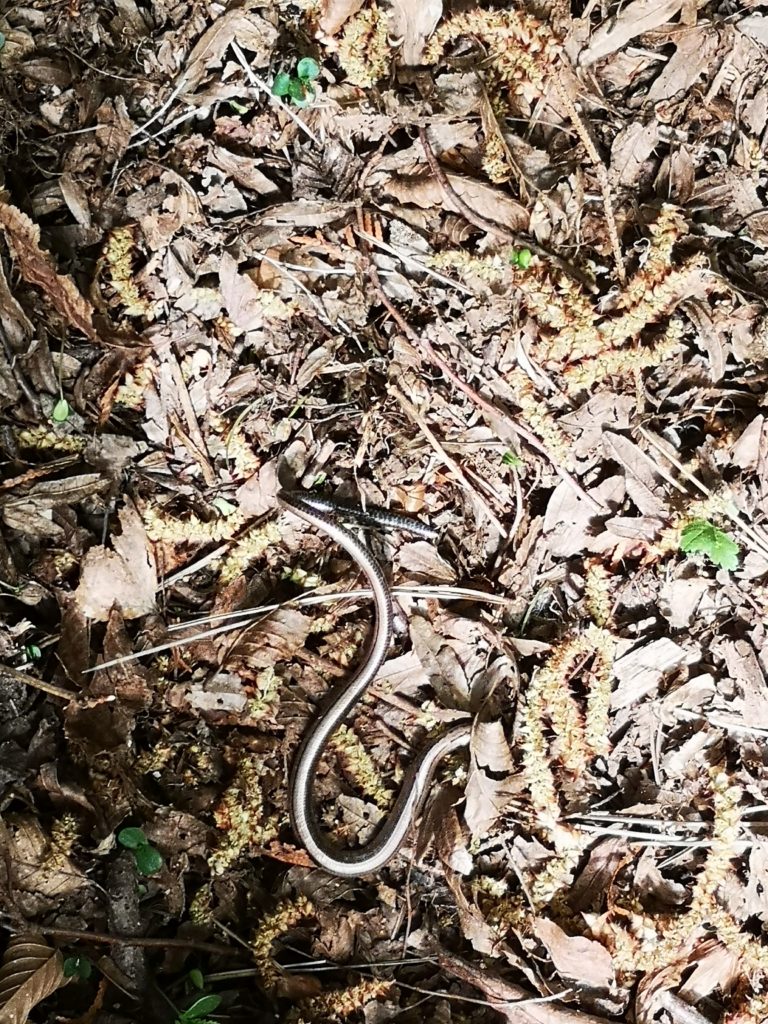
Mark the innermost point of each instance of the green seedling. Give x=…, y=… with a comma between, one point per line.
x=60, y=412
x=148, y=860
x=298, y=87
x=196, y=1013
x=79, y=967
x=521, y=259
x=702, y=537
x=196, y=979
x=32, y=652
x=511, y=459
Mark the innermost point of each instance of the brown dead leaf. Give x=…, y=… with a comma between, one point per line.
x=575, y=958
x=632, y=20
x=248, y=29
x=640, y=672
x=37, y=868
x=333, y=14
x=37, y=268
x=114, y=131
x=486, y=200
x=31, y=972
x=487, y=789
x=630, y=151
x=242, y=298
x=125, y=576
x=413, y=22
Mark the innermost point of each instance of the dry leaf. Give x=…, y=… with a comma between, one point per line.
x=37, y=867
x=31, y=971
x=333, y=14
x=413, y=22
x=126, y=576
x=37, y=268
x=487, y=794
x=634, y=19
x=575, y=958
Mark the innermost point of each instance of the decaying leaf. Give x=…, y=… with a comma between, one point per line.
x=37, y=268
x=31, y=972
x=125, y=577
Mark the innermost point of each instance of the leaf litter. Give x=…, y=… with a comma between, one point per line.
x=502, y=269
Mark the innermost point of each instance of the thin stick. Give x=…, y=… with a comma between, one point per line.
x=38, y=684
x=475, y=397
x=602, y=175
x=491, y=226
x=407, y=258
x=135, y=940
x=413, y=414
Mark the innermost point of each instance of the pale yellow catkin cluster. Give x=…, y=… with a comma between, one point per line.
x=241, y=816
x=235, y=447
x=536, y=415
x=166, y=529
x=343, y=1003
x=264, y=705
x=42, y=439
x=286, y=915
x=586, y=344
x=118, y=259
x=364, y=51
x=247, y=549
x=63, y=835
x=359, y=766
x=645, y=943
x=520, y=48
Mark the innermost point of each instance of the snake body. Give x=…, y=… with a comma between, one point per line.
x=385, y=844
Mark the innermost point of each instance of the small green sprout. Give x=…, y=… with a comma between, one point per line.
x=32, y=652
x=521, y=259
x=196, y=1014
x=702, y=537
x=511, y=459
x=60, y=412
x=298, y=87
x=196, y=979
x=79, y=967
x=148, y=860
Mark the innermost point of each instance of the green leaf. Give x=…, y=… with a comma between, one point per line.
x=307, y=69
x=281, y=84
x=196, y=978
x=148, y=860
x=296, y=90
x=702, y=537
x=60, y=411
x=524, y=258
x=78, y=967
x=511, y=459
x=198, y=1009
x=33, y=652
x=131, y=838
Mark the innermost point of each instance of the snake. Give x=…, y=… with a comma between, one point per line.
x=325, y=514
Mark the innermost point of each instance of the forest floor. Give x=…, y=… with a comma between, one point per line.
x=504, y=270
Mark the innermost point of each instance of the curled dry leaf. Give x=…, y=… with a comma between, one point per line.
x=37, y=268
x=31, y=971
x=126, y=576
